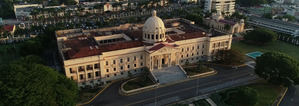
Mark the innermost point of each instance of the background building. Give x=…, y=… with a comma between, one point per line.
x=217, y=22
x=225, y=6
x=275, y=25
x=23, y=11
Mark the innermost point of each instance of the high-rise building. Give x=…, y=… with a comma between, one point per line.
x=225, y=6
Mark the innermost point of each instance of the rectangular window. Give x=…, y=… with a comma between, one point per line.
x=97, y=73
x=89, y=67
x=141, y=64
x=81, y=76
x=128, y=66
x=114, y=69
x=107, y=70
x=96, y=66
x=114, y=74
x=128, y=58
x=81, y=68
x=134, y=58
x=114, y=62
x=89, y=75
x=121, y=60
x=107, y=62
x=71, y=70
x=121, y=67
x=135, y=65
x=141, y=57
x=203, y=46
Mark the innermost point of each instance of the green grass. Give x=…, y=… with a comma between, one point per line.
x=280, y=46
x=194, y=70
x=201, y=102
x=139, y=82
x=87, y=93
x=267, y=93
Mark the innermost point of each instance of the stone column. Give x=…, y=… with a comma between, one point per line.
x=78, y=77
x=169, y=60
x=159, y=62
x=152, y=64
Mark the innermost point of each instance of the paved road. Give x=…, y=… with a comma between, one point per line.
x=225, y=78
x=292, y=97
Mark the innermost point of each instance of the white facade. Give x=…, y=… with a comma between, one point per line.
x=93, y=57
x=225, y=6
x=22, y=11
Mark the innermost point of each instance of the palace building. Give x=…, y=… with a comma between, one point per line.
x=98, y=56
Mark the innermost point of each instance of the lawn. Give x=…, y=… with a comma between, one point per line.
x=267, y=94
x=87, y=93
x=194, y=70
x=280, y=46
x=139, y=82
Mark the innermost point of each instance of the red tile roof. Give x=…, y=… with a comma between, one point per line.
x=187, y=36
x=81, y=46
x=120, y=45
x=87, y=46
x=8, y=28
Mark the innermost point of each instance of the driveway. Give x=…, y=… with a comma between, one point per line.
x=226, y=78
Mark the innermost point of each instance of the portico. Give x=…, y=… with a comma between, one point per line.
x=163, y=55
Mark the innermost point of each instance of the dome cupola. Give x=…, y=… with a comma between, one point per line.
x=154, y=29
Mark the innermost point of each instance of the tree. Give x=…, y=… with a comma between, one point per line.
x=260, y=36
x=249, y=3
x=227, y=27
x=244, y=96
x=198, y=19
x=238, y=15
x=6, y=9
x=31, y=47
x=268, y=15
x=29, y=83
x=278, y=68
x=229, y=57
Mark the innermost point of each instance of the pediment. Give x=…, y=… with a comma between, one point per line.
x=163, y=48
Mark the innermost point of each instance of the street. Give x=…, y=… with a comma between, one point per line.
x=226, y=78
x=291, y=98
